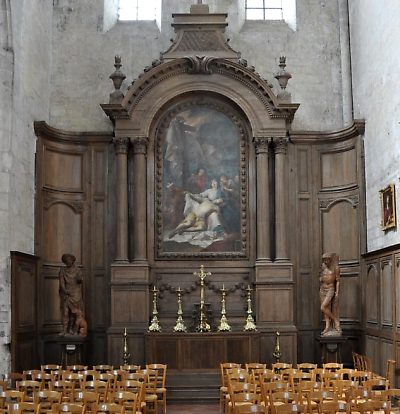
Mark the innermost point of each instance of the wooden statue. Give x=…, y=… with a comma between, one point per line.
x=71, y=300
x=329, y=294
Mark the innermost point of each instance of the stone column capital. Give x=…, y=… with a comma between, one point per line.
x=280, y=145
x=139, y=145
x=121, y=145
x=262, y=144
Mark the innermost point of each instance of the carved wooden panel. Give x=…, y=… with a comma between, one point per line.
x=372, y=350
x=350, y=309
x=62, y=232
x=340, y=230
x=128, y=307
x=387, y=314
x=339, y=168
x=275, y=305
x=387, y=351
x=306, y=305
x=63, y=170
x=371, y=297
x=397, y=288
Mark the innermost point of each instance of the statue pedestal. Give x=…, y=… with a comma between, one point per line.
x=72, y=350
x=330, y=348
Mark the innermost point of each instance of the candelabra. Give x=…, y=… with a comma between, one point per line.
x=250, y=325
x=223, y=324
x=155, y=324
x=277, y=351
x=203, y=325
x=180, y=324
x=125, y=354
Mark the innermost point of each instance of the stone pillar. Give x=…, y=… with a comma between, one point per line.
x=280, y=147
x=139, y=199
x=263, y=209
x=121, y=149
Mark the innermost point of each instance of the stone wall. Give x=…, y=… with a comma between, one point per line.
x=85, y=44
x=375, y=60
x=25, y=58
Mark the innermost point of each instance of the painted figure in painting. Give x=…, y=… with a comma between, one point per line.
x=201, y=191
x=71, y=301
x=329, y=294
x=387, y=211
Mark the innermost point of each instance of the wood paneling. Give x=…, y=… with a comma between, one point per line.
x=371, y=294
x=275, y=305
x=339, y=168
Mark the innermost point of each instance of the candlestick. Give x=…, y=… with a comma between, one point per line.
x=155, y=324
x=125, y=354
x=180, y=324
x=277, y=351
x=250, y=325
x=223, y=324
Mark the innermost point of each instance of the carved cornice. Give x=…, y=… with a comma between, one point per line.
x=280, y=145
x=321, y=137
x=121, y=145
x=139, y=145
x=210, y=65
x=326, y=204
x=262, y=144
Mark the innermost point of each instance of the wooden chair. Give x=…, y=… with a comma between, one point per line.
x=254, y=365
x=100, y=387
x=136, y=387
x=29, y=374
x=46, y=398
x=130, y=368
x=288, y=408
x=250, y=409
x=332, y=366
x=129, y=400
x=390, y=372
x=68, y=408
x=66, y=388
x=333, y=407
x=296, y=378
x=76, y=368
x=267, y=388
x=109, y=408
x=103, y=368
x=161, y=389
x=317, y=374
x=150, y=397
x=315, y=398
x=77, y=378
x=360, y=376
x=282, y=397
x=50, y=368
x=10, y=396
x=12, y=377
x=243, y=397
x=393, y=396
x=23, y=407
x=108, y=377
x=376, y=384
x=306, y=366
x=28, y=387
x=86, y=398
x=372, y=406
x=279, y=366
x=44, y=378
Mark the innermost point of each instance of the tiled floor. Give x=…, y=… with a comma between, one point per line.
x=193, y=409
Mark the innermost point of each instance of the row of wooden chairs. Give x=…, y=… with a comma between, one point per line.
x=105, y=385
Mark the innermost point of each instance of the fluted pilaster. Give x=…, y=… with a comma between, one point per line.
x=139, y=145
x=263, y=207
x=121, y=150
x=280, y=149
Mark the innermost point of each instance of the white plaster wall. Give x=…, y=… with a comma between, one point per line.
x=24, y=92
x=375, y=39
x=84, y=51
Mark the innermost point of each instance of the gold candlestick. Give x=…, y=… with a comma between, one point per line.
x=155, y=324
x=203, y=325
x=180, y=324
x=277, y=351
x=250, y=325
x=125, y=354
x=223, y=324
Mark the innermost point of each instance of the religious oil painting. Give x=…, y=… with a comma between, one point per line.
x=202, y=180
x=388, y=207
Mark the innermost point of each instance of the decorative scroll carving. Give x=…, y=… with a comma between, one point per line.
x=200, y=64
x=139, y=145
x=262, y=144
x=326, y=204
x=121, y=145
x=386, y=262
x=280, y=145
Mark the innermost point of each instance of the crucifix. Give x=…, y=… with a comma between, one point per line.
x=203, y=325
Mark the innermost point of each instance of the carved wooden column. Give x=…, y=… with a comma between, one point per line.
x=263, y=224
x=280, y=147
x=121, y=149
x=139, y=198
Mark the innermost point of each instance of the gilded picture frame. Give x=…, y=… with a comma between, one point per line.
x=388, y=207
x=201, y=148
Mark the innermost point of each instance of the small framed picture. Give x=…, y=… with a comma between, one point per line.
x=388, y=207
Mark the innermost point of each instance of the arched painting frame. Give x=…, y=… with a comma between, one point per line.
x=201, y=181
